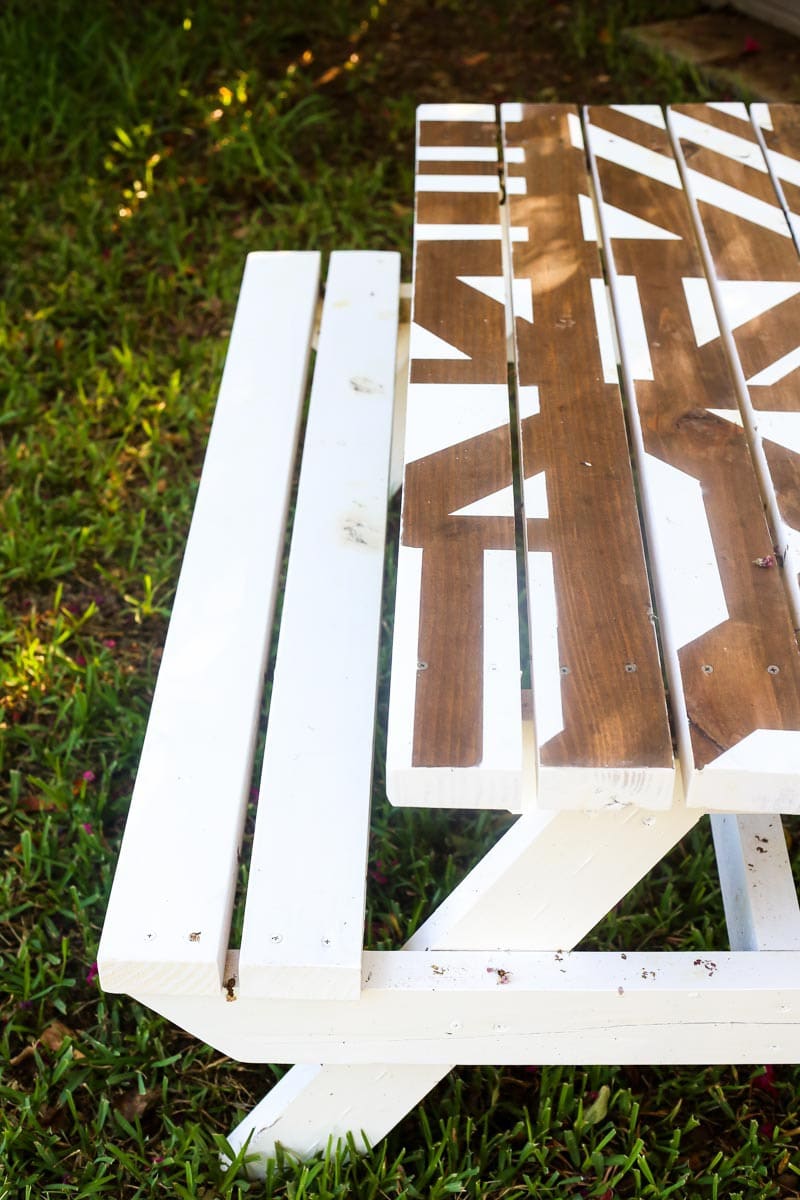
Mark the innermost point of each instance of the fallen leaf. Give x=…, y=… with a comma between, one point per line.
x=55, y=1034
x=472, y=60
x=135, y=1103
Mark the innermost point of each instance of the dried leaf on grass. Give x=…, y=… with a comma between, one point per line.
x=135, y=1103
x=52, y=1038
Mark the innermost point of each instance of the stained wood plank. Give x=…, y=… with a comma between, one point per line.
x=600, y=709
x=167, y=923
x=455, y=725
x=725, y=622
x=304, y=912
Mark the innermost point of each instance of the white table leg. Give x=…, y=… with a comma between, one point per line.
x=543, y=886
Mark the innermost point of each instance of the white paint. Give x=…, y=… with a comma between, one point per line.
x=313, y=1106
x=605, y=330
x=457, y=183
x=501, y=503
x=317, y=770
x=178, y=864
x=702, y=313
x=467, y=233
x=545, y=1008
x=443, y=414
x=425, y=344
x=516, y=185
x=494, y=286
x=777, y=371
x=575, y=131
x=682, y=545
x=758, y=891
x=588, y=221
x=760, y=114
x=514, y=154
x=457, y=154
x=528, y=401
x=744, y=299
x=545, y=655
x=502, y=688
x=629, y=154
x=780, y=427
x=455, y=112
x=760, y=774
x=739, y=203
x=511, y=112
x=743, y=150
x=630, y=318
x=650, y=114
x=405, y=654
x=622, y=224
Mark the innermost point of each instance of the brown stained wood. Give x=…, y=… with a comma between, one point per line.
x=613, y=715
x=742, y=250
x=738, y=695
x=448, y=716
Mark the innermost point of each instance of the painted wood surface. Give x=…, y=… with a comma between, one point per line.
x=304, y=913
x=455, y=723
x=758, y=888
x=600, y=712
x=547, y=1008
x=725, y=622
x=167, y=923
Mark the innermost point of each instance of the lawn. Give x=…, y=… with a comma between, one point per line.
x=144, y=150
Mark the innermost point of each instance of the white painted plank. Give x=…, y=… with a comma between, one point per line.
x=758, y=890
x=169, y=912
x=304, y=914
x=517, y=1007
x=313, y=1105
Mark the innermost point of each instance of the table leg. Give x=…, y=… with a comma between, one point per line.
x=543, y=886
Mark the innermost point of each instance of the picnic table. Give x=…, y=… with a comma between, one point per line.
x=595, y=621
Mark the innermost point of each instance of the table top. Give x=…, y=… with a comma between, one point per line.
x=650, y=262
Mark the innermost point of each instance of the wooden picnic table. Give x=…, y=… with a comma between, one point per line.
x=595, y=626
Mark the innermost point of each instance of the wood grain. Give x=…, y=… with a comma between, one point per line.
x=447, y=745
x=601, y=706
x=725, y=622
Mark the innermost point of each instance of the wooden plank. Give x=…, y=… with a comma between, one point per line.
x=725, y=622
x=455, y=725
x=167, y=924
x=599, y=704
x=304, y=912
x=544, y=1008
x=777, y=127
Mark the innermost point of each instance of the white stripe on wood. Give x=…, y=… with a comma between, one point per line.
x=545, y=661
x=304, y=915
x=455, y=112
x=457, y=183
x=740, y=204
x=634, y=157
x=711, y=137
x=467, y=233
x=606, y=336
x=457, y=154
x=187, y=810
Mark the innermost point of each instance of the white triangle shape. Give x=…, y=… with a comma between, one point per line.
x=777, y=370
x=424, y=344
x=501, y=504
x=494, y=286
x=622, y=224
x=702, y=313
x=783, y=428
x=743, y=299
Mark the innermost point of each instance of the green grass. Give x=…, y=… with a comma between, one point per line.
x=144, y=150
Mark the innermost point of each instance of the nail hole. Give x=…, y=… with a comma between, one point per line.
x=422, y=666
x=708, y=669
x=565, y=670
x=630, y=668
